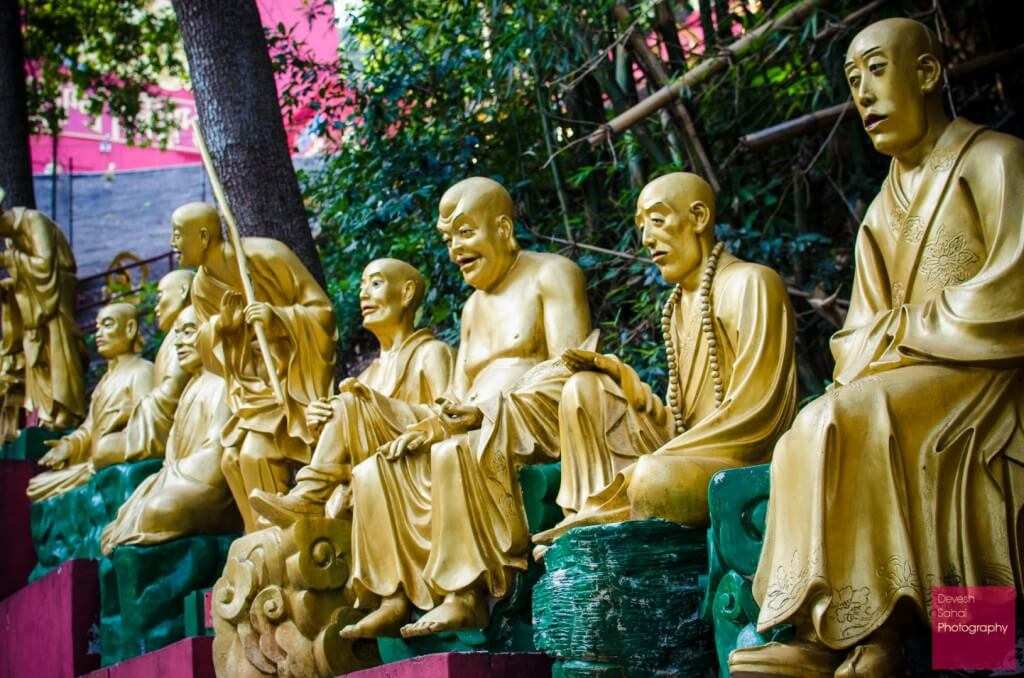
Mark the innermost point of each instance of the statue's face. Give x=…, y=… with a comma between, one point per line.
x=669, y=234
x=885, y=79
x=480, y=246
x=186, y=331
x=190, y=241
x=115, y=332
x=380, y=296
x=171, y=297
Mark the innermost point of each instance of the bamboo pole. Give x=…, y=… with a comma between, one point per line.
x=243, y=267
x=702, y=71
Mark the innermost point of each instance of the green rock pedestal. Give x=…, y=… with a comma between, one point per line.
x=738, y=503
x=510, y=628
x=624, y=600
x=69, y=525
x=29, y=445
x=143, y=590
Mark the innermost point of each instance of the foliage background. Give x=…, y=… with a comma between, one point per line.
x=444, y=89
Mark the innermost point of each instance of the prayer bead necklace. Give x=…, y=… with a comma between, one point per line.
x=675, y=396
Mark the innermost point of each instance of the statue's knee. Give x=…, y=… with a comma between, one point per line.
x=672, y=489
x=581, y=389
x=444, y=455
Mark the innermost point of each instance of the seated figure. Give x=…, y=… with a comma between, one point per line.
x=189, y=494
x=438, y=520
x=147, y=428
x=100, y=441
x=907, y=473
x=396, y=390
x=728, y=328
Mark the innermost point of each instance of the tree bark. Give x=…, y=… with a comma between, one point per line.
x=236, y=99
x=15, y=161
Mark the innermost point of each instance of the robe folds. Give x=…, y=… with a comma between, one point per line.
x=437, y=521
x=150, y=422
x=124, y=384
x=907, y=473
x=43, y=269
x=302, y=340
x=403, y=384
x=189, y=494
x=604, y=441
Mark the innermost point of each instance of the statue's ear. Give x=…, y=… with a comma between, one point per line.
x=701, y=216
x=929, y=73
x=505, y=228
x=131, y=327
x=408, y=293
x=204, y=236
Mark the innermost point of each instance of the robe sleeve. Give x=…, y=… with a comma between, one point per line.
x=760, y=397
x=981, y=320
x=38, y=270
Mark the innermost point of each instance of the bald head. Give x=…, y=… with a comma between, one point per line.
x=195, y=228
x=908, y=37
x=172, y=296
x=117, y=330
x=400, y=273
x=678, y=190
x=894, y=69
x=478, y=195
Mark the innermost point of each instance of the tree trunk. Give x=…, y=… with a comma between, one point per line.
x=236, y=99
x=15, y=161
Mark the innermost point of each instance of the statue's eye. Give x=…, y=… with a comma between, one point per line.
x=877, y=68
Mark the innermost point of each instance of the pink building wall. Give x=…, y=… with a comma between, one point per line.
x=98, y=145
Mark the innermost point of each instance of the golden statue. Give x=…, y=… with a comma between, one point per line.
x=728, y=328
x=266, y=436
x=907, y=473
x=12, y=363
x=42, y=267
x=189, y=494
x=395, y=391
x=100, y=440
x=438, y=520
x=148, y=427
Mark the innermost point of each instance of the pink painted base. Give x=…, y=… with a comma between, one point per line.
x=463, y=665
x=188, y=658
x=15, y=532
x=45, y=626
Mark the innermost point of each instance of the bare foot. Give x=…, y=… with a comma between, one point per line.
x=464, y=610
x=384, y=621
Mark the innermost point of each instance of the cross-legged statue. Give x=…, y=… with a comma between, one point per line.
x=438, y=520
x=397, y=389
x=728, y=328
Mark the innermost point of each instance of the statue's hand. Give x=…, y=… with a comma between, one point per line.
x=355, y=387
x=579, y=360
x=407, y=443
x=57, y=457
x=230, y=310
x=460, y=418
x=318, y=413
x=258, y=313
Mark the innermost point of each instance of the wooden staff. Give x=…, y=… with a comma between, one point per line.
x=243, y=268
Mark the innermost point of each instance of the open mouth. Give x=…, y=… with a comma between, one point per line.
x=873, y=120
x=466, y=260
x=367, y=309
x=658, y=255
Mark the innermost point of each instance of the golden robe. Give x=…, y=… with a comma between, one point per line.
x=43, y=269
x=907, y=473
x=613, y=455
x=403, y=384
x=462, y=497
x=150, y=422
x=12, y=366
x=302, y=342
x=123, y=385
x=189, y=494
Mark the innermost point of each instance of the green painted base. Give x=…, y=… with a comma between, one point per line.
x=28, y=446
x=738, y=504
x=143, y=591
x=624, y=600
x=69, y=525
x=510, y=628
